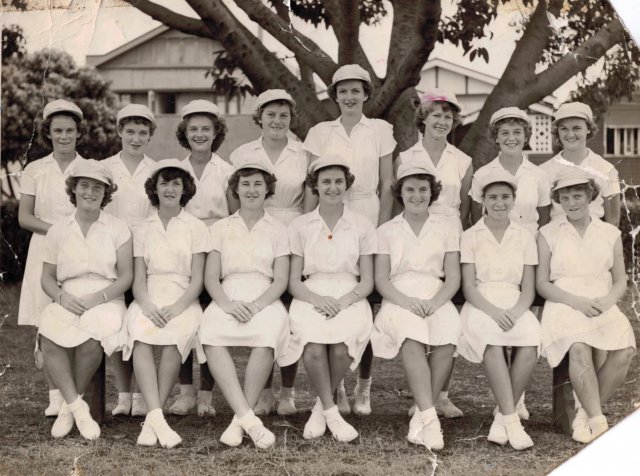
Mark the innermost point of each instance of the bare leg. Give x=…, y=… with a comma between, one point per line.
x=146, y=375
x=168, y=370
x=87, y=359
x=339, y=362
x=316, y=363
x=57, y=361
x=613, y=372
x=257, y=372
x=123, y=372
x=416, y=368
x=522, y=367
x=584, y=379
x=440, y=362
x=447, y=382
x=223, y=370
x=50, y=383
x=497, y=372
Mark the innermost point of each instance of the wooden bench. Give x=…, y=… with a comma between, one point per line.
x=562, y=398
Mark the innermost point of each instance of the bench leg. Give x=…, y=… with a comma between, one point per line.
x=563, y=404
x=95, y=393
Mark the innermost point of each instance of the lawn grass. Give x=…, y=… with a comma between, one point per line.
x=27, y=448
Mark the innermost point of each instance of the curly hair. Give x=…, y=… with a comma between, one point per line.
x=312, y=177
x=170, y=173
x=72, y=182
x=257, y=115
x=45, y=127
x=269, y=179
x=332, y=90
x=511, y=187
x=495, y=127
x=219, y=129
x=423, y=110
x=592, y=128
x=141, y=121
x=434, y=185
x=590, y=187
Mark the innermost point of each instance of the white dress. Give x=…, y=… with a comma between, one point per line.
x=44, y=180
x=290, y=172
x=451, y=169
x=247, y=258
x=370, y=139
x=331, y=268
x=84, y=265
x=499, y=268
x=603, y=173
x=581, y=266
x=167, y=255
x=209, y=204
x=534, y=191
x=417, y=270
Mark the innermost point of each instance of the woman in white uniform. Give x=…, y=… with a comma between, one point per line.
x=202, y=131
x=367, y=145
x=498, y=275
x=581, y=274
x=246, y=273
x=43, y=202
x=169, y=255
x=274, y=113
x=417, y=273
x=332, y=247
x=89, y=254
x=131, y=168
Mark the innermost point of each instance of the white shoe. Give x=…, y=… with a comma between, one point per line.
x=64, y=423
x=580, y=425
x=415, y=429
x=88, y=427
x=445, y=408
x=518, y=438
x=412, y=410
x=55, y=403
x=183, y=404
x=287, y=404
x=497, y=432
x=124, y=405
x=265, y=404
x=233, y=435
x=342, y=401
x=166, y=436
x=362, y=399
x=138, y=405
x=432, y=433
x=147, y=437
x=521, y=409
x=260, y=435
x=598, y=425
x=316, y=426
x=206, y=408
x=340, y=429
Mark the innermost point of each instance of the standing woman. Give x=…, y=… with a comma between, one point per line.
x=89, y=254
x=169, y=252
x=131, y=168
x=331, y=320
x=417, y=274
x=581, y=275
x=43, y=201
x=274, y=113
x=246, y=273
x=498, y=277
x=202, y=131
x=572, y=126
x=367, y=145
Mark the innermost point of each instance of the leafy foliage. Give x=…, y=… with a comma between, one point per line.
x=13, y=43
x=225, y=77
x=313, y=11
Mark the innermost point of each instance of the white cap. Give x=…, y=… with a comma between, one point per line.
x=497, y=176
x=61, y=105
x=252, y=161
x=440, y=95
x=573, y=176
x=135, y=110
x=350, y=71
x=415, y=167
x=328, y=160
x=94, y=169
x=509, y=112
x=200, y=105
x=170, y=163
x=273, y=95
x=573, y=109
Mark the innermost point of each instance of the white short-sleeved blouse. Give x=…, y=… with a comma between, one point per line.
x=130, y=203
x=370, y=139
x=327, y=251
x=249, y=251
x=451, y=169
x=210, y=201
x=534, y=191
x=602, y=172
x=498, y=262
x=170, y=251
x=290, y=170
x=76, y=255
x=420, y=254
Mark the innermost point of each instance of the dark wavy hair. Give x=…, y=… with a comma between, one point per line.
x=70, y=187
x=434, y=184
x=257, y=115
x=425, y=108
x=312, y=177
x=493, y=128
x=269, y=179
x=333, y=94
x=590, y=187
x=219, y=129
x=170, y=173
x=45, y=127
x=142, y=121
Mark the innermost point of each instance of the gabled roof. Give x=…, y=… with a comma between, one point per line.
x=97, y=60
x=462, y=70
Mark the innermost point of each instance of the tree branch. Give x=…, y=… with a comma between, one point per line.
x=172, y=19
x=404, y=13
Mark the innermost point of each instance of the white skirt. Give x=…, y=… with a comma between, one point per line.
x=33, y=299
x=480, y=330
x=267, y=328
x=100, y=322
x=563, y=326
x=351, y=326
x=180, y=331
x=394, y=324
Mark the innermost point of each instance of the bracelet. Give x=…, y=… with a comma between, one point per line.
x=104, y=296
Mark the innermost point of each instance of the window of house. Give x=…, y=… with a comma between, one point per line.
x=622, y=140
x=541, y=133
x=165, y=103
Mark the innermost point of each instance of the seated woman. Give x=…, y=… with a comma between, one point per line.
x=417, y=274
x=169, y=250
x=246, y=274
x=89, y=254
x=498, y=279
x=581, y=275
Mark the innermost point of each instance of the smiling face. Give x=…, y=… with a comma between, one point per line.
x=252, y=190
x=350, y=96
x=498, y=200
x=332, y=184
x=134, y=137
x=511, y=137
x=89, y=194
x=438, y=122
x=574, y=202
x=416, y=195
x=63, y=133
x=169, y=191
x=200, y=133
x=275, y=120
x=573, y=133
